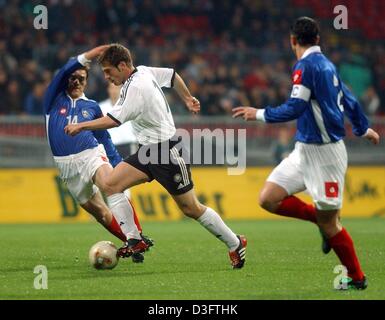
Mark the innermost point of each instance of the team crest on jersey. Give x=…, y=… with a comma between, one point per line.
x=297, y=77
x=63, y=111
x=85, y=113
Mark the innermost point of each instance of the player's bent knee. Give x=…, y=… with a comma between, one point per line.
x=187, y=211
x=108, y=188
x=330, y=229
x=191, y=211
x=267, y=203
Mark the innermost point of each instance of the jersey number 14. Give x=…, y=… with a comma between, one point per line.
x=72, y=119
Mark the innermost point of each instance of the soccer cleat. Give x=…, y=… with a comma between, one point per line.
x=137, y=257
x=325, y=243
x=349, y=283
x=148, y=241
x=132, y=246
x=238, y=257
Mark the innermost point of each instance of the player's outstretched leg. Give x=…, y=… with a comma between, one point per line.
x=150, y=242
x=211, y=220
x=124, y=213
x=98, y=208
x=325, y=246
x=342, y=244
x=275, y=199
x=123, y=210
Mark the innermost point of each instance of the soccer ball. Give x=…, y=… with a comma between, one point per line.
x=102, y=255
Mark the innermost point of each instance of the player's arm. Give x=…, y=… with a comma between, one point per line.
x=60, y=81
x=353, y=111
x=169, y=78
x=98, y=124
x=290, y=110
x=192, y=103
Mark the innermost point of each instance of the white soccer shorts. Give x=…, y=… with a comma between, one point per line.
x=77, y=171
x=319, y=169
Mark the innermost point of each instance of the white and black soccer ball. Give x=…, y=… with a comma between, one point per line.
x=103, y=255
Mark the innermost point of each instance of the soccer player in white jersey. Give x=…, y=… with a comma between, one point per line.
x=319, y=101
x=123, y=135
x=142, y=101
x=86, y=160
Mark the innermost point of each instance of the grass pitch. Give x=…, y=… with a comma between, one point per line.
x=283, y=261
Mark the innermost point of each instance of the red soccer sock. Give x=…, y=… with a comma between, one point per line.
x=114, y=228
x=343, y=246
x=296, y=208
x=136, y=220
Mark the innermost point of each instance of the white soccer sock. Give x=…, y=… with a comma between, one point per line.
x=122, y=211
x=214, y=223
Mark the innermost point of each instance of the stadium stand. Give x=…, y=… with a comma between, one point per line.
x=230, y=52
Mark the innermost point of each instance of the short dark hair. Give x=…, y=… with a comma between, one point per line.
x=305, y=30
x=115, y=54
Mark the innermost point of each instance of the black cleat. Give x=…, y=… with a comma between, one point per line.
x=137, y=257
x=238, y=257
x=325, y=243
x=349, y=283
x=131, y=247
x=148, y=241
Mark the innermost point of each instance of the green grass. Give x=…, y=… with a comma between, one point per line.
x=284, y=261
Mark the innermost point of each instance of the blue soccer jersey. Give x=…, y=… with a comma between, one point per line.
x=60, y=110
x=319, y=100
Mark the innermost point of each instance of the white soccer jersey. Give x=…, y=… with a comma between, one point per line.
x=122, y=134
x=142, y=101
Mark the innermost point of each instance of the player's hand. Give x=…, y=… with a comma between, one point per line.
x=247, y=113
x=193, y=105
x=72, y=129
x=95, y=52
x=372, y=136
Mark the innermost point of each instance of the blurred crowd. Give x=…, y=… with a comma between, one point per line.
x=229, y=52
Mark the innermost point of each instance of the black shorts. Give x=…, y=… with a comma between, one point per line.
x=166, y=162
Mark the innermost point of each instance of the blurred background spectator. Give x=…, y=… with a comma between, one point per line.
x=230, y=52
x=284, y=144
x=33, y=104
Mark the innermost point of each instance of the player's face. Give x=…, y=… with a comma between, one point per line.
x=77, y=83
x=113, y=74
